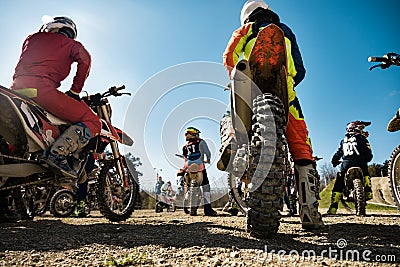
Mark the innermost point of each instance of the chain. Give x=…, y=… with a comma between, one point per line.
x=26, y=183
x=17, y=158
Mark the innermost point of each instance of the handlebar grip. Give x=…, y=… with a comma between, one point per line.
x=120, y=88
x=377, y=59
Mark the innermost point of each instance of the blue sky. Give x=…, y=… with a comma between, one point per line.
x=147, y=44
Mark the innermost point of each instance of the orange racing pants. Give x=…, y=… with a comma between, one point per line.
x=297, y=134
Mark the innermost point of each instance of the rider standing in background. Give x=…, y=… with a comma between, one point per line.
x=256, y=15
x=166, y=192
x=45, y=61
x=355, y=151
x=196, y=151
x=157, y=188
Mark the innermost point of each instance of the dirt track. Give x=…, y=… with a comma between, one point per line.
x=176, y=239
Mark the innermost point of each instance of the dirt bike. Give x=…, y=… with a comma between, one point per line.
x=30, y=130
x=34, y=200
x=353, y=197
x=254, y=147
x=38, y=199
x=193, y=178
x=391, y=59
x=166, y=202
x=64, y=201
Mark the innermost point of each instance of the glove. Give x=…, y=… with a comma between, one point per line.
x=73, y=95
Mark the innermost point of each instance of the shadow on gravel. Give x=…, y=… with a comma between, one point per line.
x=54, y=235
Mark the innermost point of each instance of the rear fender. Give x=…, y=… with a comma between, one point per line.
x=39, y=127
x=11, y=126
x=354, y=173
x=194, y=172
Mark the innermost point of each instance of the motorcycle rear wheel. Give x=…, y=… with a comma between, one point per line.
x=22, y=204
x=116, y=202
x=394, y=175
x=63, y=203
x=159, y=207
x=358, y=204
x=270, y=163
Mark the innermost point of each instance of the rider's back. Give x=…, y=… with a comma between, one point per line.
x=49, y=55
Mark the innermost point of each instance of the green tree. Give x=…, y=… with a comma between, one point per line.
x=385, y=168
x=133, y=164
x=375, y=169
x=327, y=173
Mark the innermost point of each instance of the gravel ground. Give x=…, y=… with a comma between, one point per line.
x=177, y=239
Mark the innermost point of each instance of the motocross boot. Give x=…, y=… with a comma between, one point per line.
x=287, y=203
x=293, y=205
x=227, y=206
x=368, y=188
x=394, y=124
x=233, y=210
x=80, y=209
x=308, y=188
x=208, y=210
x=71, y=141
x=334, y=203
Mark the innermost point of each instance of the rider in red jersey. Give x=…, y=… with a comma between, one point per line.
x=45, y=61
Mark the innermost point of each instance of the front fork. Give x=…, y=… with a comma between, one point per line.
x=115, y=151
x=118, y=161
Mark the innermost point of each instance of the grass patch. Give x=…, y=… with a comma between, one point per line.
x=326, y=194
x=371, y=206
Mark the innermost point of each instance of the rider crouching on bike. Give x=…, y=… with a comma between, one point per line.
x=196, y=150
x=45, y=61
x=355, y=151
x=255, y=16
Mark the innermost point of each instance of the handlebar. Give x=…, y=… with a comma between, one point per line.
x=113, y=91
x=96, y=99
x=386, y=61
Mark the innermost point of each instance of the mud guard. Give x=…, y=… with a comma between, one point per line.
x=267, y=62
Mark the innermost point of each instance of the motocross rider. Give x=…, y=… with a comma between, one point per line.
x=194, y=151
x=166, y=192
x=256, y=15
x=45, y=61
x=157, y=188
x=355, y=151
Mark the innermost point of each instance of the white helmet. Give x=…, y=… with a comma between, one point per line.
x=249, y=7
x=62, y=25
